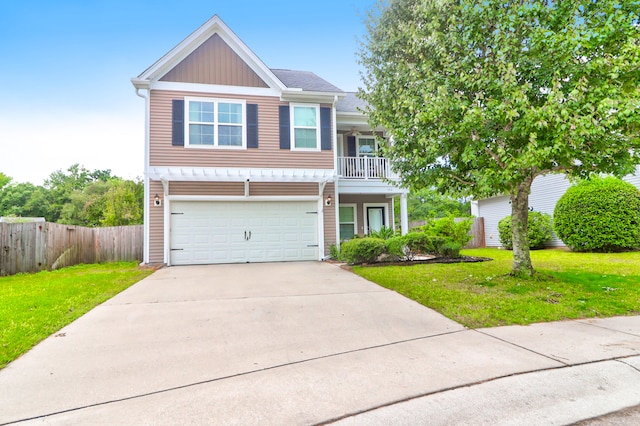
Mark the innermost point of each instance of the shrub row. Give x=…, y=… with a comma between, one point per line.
x=369, y=249
x=439, y=237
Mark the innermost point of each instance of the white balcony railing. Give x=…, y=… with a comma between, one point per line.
x=365, y=168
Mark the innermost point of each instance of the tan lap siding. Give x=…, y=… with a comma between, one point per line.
x=156, y=224
x=283, y=189
x=329, y=219
x=206, y=188
x=267, y=155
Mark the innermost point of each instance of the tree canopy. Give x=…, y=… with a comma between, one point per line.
x=480, y=97
x=77, y=196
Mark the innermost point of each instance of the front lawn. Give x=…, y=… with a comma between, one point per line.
x=568, y=285
x=33, y=306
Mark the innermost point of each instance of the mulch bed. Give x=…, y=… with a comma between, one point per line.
x=462, y=259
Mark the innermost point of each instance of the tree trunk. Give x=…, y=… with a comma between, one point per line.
x=519, y=227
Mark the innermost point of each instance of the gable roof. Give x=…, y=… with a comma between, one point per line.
x=215, y=25
x=291, y=85
x=304, y=80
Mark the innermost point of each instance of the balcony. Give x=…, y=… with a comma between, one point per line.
x=365, y=168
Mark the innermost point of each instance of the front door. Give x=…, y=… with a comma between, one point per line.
x=375, y=218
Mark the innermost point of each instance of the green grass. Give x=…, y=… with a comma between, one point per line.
x=567, y=286
x=33, y=306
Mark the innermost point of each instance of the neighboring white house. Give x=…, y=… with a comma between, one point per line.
x=545, y=193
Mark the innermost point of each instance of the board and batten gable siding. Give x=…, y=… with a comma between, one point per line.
x=214, y=62
x=545, y=193
x=267, y=155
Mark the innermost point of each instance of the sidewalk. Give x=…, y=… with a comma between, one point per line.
x=595, y=383
x=309, y=343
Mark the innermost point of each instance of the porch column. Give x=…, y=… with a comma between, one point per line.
x=404, y=219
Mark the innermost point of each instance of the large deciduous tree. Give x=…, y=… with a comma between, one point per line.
x=481, y=97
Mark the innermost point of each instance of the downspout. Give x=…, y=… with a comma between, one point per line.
x=336, y=197
x=145, y=237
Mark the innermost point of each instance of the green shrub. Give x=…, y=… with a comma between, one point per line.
x=540, y=230
x=450, y=249
x=362, y=250
x=600, y=214
x=384, y=233
x=447, y=227
x=421, y=243
x=397, y=246
x=334, y=252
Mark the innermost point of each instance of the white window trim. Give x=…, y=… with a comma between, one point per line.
x=366, y=137
x=215, y=123
x=355, y=217
x=365, y=215
x=293, y=127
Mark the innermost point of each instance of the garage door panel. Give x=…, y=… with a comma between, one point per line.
x=214, y=232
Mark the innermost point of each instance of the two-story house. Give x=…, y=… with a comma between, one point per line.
x=244, y=163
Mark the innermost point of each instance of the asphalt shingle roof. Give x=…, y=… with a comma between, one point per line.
x=350, y=103
x=304, y=80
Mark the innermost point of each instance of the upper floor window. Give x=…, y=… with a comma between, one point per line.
x=306, y=127
x=215, y=123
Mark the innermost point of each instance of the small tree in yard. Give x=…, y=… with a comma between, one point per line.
x=481, y=97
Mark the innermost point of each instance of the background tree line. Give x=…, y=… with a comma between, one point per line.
x=77, y=196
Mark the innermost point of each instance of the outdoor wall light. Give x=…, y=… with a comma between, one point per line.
x=328, y=201
x=156, y=200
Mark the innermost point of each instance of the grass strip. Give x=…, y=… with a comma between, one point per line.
x=33, y=306
x=567, y=286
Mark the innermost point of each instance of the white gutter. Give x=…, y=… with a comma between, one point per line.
x=145, y=258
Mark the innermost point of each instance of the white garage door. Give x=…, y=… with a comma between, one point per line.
x=233, y=232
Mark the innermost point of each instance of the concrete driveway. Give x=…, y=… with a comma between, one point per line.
x=280, y=343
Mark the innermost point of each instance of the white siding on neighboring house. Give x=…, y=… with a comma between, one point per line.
x=545, y=193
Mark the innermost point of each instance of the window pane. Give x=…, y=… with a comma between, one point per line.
x=304, y=116
x=200, y=134
x=201, y=111
x=346, y=232
x=229, y=135
x=305, y=138
x=230, y=113
x=346, y=215
x=366, y=147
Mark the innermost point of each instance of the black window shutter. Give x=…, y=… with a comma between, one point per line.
x=351, y=146
x=285, y=127
x=177, y=120
x=252, y=125
x=325, y=128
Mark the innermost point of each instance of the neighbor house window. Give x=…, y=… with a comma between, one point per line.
x=306, y=126
x=348, y=224
x=215, y=123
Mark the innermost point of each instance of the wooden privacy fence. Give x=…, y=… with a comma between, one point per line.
x=36, y=246
x=476, y=232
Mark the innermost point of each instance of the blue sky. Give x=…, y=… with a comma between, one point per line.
x=66, y=64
